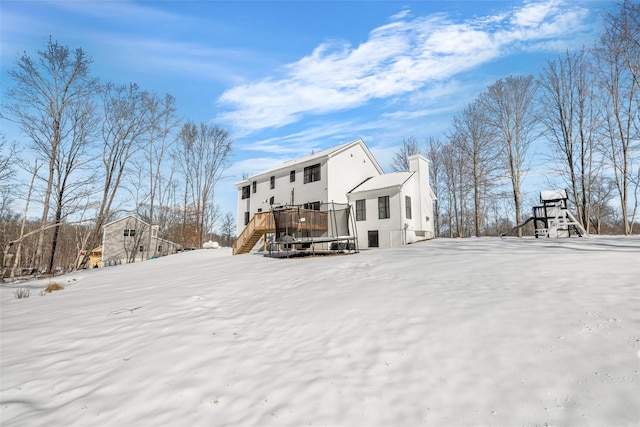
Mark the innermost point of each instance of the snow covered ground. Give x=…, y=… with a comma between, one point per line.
x=473, y=332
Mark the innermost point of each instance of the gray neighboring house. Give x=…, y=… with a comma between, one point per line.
x=126, y=240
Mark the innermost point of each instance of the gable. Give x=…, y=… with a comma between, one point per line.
x=124, y=219
x=319, y=157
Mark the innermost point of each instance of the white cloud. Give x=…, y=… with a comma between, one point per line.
x=398, y=58
x=533, y=14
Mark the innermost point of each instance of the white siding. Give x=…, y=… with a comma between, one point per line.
x=398, y=229
x=341, y=170
x=346, y=170
x=285, y=191
x=389, y=229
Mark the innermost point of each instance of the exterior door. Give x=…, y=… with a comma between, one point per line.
x=373, y=238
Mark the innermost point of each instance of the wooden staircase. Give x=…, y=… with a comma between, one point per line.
x=261, y=224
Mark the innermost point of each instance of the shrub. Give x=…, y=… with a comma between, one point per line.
x=21, y=293
x=53, y=287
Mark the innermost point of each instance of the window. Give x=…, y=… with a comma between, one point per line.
x=272, y=200
x=361, y=210
x=159, y=248
x=407, y=206
x=372, y=236
x=254, y=184
x=383, y=207
x=272, y=182
x=292, y=176
x=246, y=218
x=141, y=248
x=245, y=192
x=129, y=232
x=312, y=173
x=314, y=206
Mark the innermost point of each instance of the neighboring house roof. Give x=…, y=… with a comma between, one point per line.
x=138, y=220
x=389, y=180
x=327, y=153
x=135, y=218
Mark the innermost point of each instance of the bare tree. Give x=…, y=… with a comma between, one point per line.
x=18, y=251
x=567, y=99
x=202, y=154
x=7, y=216
x=434, y=153
x=49, y=94
x=618, y=52
x=510, y=108
x=7, y=155
x=73, y=176
x=123, y=127
x=161, y=117
x=456, y=181
x=475, y=137
x=410, y=146
x=602, y=192
x=227, y=229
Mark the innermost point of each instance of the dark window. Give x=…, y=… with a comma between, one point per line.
x=245, y=192
x=314, y=206
x=141, y=248
x=383, y=207
x=312, y=173
x=254, y=184
x=259, y=209
x=373, y=238
x=272, y=200
x=361, y=210
x=407, y=206
x=159, y=248
x=272, y=182
x=129, y=232
x=292, y=176
x=246, y=218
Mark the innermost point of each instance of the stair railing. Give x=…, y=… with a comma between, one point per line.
x=261, y=221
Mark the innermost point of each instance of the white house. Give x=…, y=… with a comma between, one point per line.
x=325, y=176
x=396, y=208
x=345, y=174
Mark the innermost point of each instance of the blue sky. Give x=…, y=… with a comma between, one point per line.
x=288, y=77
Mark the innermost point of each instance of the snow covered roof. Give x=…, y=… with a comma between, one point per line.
x=389, y=180
x=551, y=195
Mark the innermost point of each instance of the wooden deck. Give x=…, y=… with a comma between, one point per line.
x=295, y=219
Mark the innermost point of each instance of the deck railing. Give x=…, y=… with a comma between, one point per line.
x=261, y=222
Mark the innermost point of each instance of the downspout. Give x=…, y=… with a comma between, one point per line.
x=404, y=230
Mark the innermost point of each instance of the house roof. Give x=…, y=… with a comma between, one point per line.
x=327, y=153
x=135, y=218
x=389, y=180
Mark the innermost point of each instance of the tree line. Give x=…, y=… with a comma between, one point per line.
x=99, y=150
x=583, y=108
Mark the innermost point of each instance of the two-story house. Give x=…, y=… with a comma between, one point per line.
x=127, y=240
x=345, y=174
x=325, y=176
